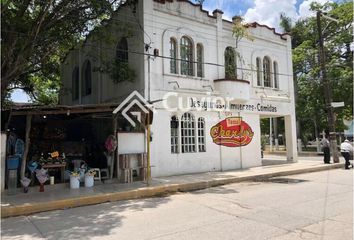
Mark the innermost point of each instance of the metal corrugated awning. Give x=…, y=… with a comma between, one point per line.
x=34, y=109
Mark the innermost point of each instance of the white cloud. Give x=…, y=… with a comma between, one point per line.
x=304, y=8
x=268, y=11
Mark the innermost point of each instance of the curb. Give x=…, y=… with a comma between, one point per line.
x=302, y=154
x=146, y=192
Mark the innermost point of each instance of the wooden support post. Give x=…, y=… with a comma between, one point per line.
x=8, y=121
x=115, y=158
x=27, y=145
x=148, y=151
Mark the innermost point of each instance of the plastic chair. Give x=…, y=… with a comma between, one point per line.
x=97, y=176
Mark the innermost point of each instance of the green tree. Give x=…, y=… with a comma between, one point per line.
x=310, y=102
x=239, y=31
x=36, y=36
x=285, y=22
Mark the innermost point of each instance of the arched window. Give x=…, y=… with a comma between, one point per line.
x=276, y=74
x=230, y=63
x=266, y=72
x=187, y=133
x=186, y=56
x=173, y=55
x=174, y=134
x=201, y=134
x=122, y=50
x=200, y=57
x=75, y=84
x=86, y=78
x=259, y=71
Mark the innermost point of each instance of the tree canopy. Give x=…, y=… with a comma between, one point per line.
x=37, y=34
x=310, y=102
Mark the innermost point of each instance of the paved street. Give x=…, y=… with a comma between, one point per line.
x=307, y=206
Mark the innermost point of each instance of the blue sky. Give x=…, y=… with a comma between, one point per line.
x=229, y=7
x=19, y=96
x=262, y=11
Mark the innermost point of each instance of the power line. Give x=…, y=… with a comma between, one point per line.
x=142, y=29
x=176, y=59
x=183, y=60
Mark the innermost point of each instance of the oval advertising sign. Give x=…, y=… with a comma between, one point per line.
x=232, y=132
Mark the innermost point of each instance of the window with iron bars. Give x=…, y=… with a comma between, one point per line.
x=174, y=134
x=186, y=56
x=188, y=133
x=173, y=56
x=201, y=135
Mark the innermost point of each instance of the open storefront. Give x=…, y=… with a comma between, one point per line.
x=81, y=142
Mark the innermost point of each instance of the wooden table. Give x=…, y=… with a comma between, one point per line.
x=60, y=166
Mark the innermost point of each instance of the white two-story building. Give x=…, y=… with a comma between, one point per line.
x=208, y=90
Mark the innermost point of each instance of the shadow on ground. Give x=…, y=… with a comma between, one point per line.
x=78, y=223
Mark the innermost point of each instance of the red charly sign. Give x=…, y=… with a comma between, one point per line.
x=232, y=132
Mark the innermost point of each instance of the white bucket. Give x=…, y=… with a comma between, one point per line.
x=51, y=180
x=74, y=182
x=89, y=181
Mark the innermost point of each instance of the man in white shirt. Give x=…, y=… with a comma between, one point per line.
x=346, y=149
x=325, y=149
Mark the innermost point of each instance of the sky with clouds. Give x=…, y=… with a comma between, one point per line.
x=262, y=11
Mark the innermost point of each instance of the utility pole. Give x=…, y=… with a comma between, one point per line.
x=327, y=91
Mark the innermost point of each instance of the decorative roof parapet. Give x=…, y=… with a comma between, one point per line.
x=256, y=24
x=187, y=1
x=237, y=17
x=218, y=11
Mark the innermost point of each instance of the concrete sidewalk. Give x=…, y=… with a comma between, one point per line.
x=60, y=196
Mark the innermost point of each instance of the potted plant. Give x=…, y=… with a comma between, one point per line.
x=89, y=178
x=74, y=180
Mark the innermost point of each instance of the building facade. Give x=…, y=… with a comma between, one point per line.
x=208, y=90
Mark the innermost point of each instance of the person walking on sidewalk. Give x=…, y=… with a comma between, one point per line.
x=346, y=149
x=325, y=149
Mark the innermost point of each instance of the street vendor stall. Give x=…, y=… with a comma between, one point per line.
x=58, y=144
x=65, y=141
